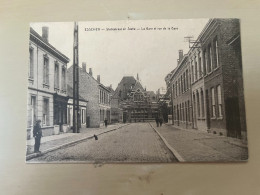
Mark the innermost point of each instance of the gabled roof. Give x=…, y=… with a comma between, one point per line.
x=124, y=87
x=137, y=86
x=70, y=93
x=35, y=37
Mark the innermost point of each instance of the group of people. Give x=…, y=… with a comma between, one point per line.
x=159, y=121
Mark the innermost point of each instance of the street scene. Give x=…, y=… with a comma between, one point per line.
x=160, y=91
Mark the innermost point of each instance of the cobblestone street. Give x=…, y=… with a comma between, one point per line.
x=133, y=143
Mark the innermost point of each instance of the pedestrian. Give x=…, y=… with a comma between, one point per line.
x=106, y=122
x=161, y=121
x=157, y=121
x=37, y=134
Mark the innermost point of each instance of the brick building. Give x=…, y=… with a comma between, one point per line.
x=97, y=95
x=197, y=87
x=220, y=42
x=47, y=89
x=214, y=93
x=181, y=93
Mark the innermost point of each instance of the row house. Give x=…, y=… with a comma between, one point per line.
x=181, y=93
x=104, y=102
x=214, y=81
x=82, y=114
x=47, y=90
x=97, y=95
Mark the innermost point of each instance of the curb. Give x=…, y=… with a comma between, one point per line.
x=174, y=152
x=35, y=155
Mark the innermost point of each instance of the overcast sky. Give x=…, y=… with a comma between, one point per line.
x=114, y=54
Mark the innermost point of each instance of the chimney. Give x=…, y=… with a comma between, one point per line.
x=45, y=33
x=84, y=67
x=110, y=86
x=90, y=72
x=180, y=54
x=98, y=78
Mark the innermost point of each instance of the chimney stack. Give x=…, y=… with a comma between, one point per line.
x=180, y=54
x=84, y=67
x=98, y=78
x=90, y=72
x=45, y=33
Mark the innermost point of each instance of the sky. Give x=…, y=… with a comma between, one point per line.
x=113, y=54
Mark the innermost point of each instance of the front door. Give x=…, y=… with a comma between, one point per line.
x=233, y=117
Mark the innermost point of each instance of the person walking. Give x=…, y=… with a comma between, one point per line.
x=160, y=121
x=157, y=121
x=106, y=122
x=37, y=134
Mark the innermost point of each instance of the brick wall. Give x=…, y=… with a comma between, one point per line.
x=88, y=87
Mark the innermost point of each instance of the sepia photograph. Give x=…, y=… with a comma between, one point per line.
x=136, y=91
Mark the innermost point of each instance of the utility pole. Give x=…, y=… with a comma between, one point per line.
x=76, y=110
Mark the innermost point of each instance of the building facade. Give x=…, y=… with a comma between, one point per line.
x=104, y=103
x=181, y=93
x=220, y=42
x=134, y=101
x=47, y=92
x=207, y=84
x=82, y=109
x=95, y=93
x=197, y=87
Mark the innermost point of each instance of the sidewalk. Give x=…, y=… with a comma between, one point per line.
x=53, y=142
x=193, y=145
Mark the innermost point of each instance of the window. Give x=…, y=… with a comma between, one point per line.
x=63, y=73
x=196, y=69
x=183, y=112
x=202, y=104
x=189, y=110
x=210, y=60
x=187, y=79
x=200, y=69
x=173, y=91
x=198, y=104
x=181, y=84
x=32, y=118
x=219, y=101
x=83, y=116
x=192, y=72
x=205, y=65
x=213, y=111
x=184, y=81
x=56, y=76
x=45, y=111
x=176, y=89
x=216, y=53
x=45, y=70
x=31, y=63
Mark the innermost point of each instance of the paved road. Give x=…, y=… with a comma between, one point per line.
x=133, y=143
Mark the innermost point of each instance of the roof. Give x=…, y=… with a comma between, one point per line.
x=137, y=86
x=34, y=36
x=124, y=87
x=70, y=93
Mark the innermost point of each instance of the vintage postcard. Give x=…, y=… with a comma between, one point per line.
x=143, y=91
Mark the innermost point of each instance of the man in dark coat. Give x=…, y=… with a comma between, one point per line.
x=37, y=134
x=105, y=122
x=157, y=121
x=160, y=121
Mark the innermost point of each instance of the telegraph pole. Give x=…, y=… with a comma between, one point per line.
x=76, y=110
